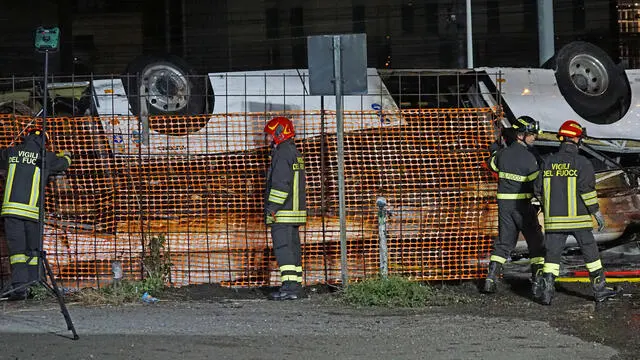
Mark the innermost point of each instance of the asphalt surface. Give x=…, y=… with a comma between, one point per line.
x=312, y=328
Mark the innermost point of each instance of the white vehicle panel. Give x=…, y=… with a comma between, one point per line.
x=535, y=92
x=278, y=90
x=239, y=97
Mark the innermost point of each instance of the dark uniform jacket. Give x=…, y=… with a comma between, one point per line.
x=517, y=169
x=285, y=191
x=23, y=165
x=566, y=188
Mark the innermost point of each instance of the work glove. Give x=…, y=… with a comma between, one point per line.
x=536, y=204
x=600, y=220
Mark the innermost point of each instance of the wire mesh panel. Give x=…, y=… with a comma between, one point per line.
x=204, y=191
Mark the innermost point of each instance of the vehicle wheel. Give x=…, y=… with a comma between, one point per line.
x=167, y=86
x=591, y=83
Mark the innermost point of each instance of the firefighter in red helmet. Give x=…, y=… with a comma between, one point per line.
x=21, y=205
x=285, y=205
x=566, y=188
x=517, y=168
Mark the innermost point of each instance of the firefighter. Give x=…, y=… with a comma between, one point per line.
x=21, y=205
x=517, y=169
x=566, y=189
x=285, y=205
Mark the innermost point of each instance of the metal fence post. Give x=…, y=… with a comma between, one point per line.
x=382, y=233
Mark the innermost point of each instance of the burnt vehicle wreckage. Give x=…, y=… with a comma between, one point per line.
x=581, y=82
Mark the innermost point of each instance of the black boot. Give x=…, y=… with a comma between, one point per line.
x=548, y=287
x=536, y=284
x=491, y=282
x=601, y=291
x=288, y=291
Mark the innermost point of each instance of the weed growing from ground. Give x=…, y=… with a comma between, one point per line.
x=396, y=291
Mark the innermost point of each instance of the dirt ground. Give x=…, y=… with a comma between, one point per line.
x=211, y=322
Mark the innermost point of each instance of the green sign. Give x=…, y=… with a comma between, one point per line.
x=47, y=39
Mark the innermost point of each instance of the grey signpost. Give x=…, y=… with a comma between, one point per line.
x=338, y=66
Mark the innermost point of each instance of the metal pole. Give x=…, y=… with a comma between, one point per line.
x=337, y=72
x=43, y=157
x=469, y=37
x=382, y=234
x=546, y=31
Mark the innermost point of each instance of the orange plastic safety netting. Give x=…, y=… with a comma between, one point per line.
x=201, y=188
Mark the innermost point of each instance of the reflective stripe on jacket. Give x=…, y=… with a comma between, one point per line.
x=566, y=188
x=517, y=169
x=22, y=188
x=285, y=190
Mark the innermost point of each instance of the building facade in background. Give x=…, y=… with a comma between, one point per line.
x=103, y=36
x=629, y=20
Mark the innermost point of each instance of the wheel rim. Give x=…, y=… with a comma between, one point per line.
x=165, y=88
x=588, y=75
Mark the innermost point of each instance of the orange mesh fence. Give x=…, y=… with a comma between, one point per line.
x=202, y=188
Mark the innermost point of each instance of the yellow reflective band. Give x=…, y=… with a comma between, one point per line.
x=590, y=198
x=289, y=278
x=546, y=187
x=276, y=200
x=296, y=195
x=9, y=207
x=33, y=261
x=537, y=260
x=35, y=188
x=68, y=158
x=551, y=268
x=9, y=185
x=299, y=269
x=279, y=193
x=18, y=259
x=572, y=204
x=590, y=202
x=533, y=176
x=514, y=196
x=567, y=219
x=290, y=220
x=567, y=226
x=594, y=266
x=518, y=178
x=287, y=268
x=493, y=163
x=498, y=259
x=20, y=210
x=588, y=280
x=299, y=279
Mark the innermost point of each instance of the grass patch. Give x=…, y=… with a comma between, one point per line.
x=396, y=291
x=115, y=294
x=157, y=267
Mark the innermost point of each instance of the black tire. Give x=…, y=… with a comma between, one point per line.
x=591, y=83
x=169, y=86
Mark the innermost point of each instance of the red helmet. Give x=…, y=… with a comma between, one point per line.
x=280, y=128
x=35, y=130
x=571, y=129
